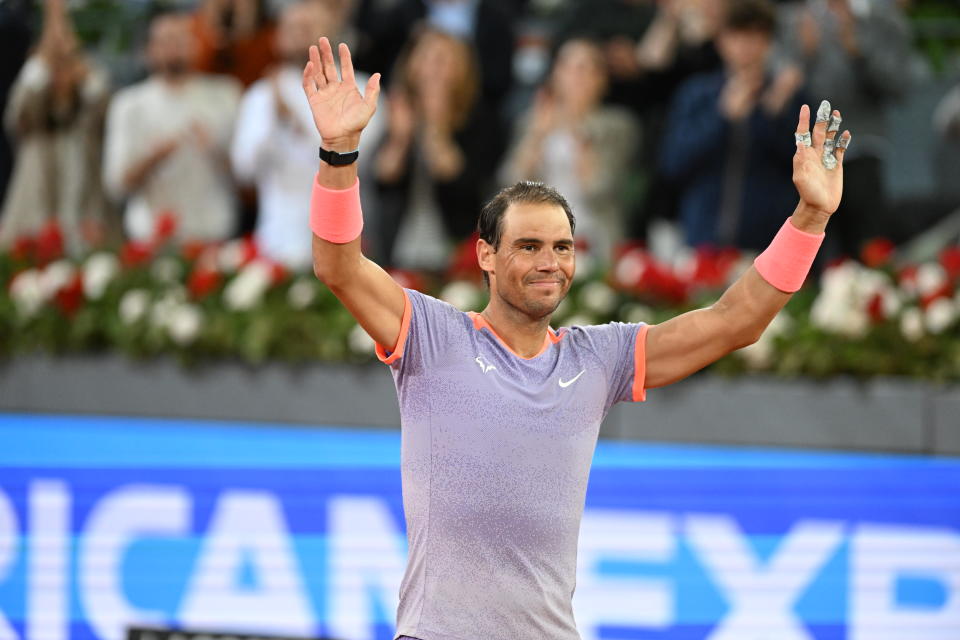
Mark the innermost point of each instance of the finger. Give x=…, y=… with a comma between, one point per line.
x=346, y=64
x=309, y=86
x=372, y=92
x=803, y=125
x=329, y=65
x=317, y=68
x=842, y=145
x=820, y=127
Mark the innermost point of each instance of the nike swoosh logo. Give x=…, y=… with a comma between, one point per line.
x=569, y=382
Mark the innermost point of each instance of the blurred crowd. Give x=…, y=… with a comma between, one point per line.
x=666, y=122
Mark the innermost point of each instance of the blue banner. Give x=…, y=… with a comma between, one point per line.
x=111, y=522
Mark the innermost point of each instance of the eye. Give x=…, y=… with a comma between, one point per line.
x=528, y=247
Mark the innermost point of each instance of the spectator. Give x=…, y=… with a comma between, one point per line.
x=439, y=154
x=55, y=113
x=15, y=35
x=856, y=54
x=729, y=139
x=168, y=139
x=275, y=143
x=234, y=37
x=574, y=143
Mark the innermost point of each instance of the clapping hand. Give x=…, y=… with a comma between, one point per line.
x=340, y=112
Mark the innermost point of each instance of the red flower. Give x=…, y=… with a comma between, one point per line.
x=950, y=259
x=164, y=227
x=463, y=262
x=712, y=266
x=70, y=297
x=877, y=252
x=202, y=282
x=49, y=242
x=192, y=249
x=875, y=308
x=408, y=279
x=250, y=251
x=136, y=253
x=24, y=248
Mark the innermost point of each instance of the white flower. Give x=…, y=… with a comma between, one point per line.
x=579, y=320
x=598, y=297
x=630, y=268
x=586, y=263
x=184, y=324
x=133, y=305
x=56, y=276
x=638, y=313
x=162, y=311
x=246, y=290
x=461, y=294
x=302, y=293
x=230, y=256
x=940, y=315
x=167, y=270
x=846, y=291
x=685, y=263
x=26, y=290
x=360, y=341
x=98, y=271
x=891, y=301
x=930, y=278
x=911, y=324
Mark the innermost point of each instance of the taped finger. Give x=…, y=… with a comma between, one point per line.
x=820, y=128
x=803, y=138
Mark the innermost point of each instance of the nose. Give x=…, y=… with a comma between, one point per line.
x=547, y=261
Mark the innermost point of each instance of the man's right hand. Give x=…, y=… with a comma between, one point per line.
x=339, y=111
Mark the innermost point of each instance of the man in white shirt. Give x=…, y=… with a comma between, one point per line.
x=168, y=138
x=275, y=143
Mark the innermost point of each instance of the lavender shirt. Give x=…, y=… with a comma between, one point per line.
x=495, y=455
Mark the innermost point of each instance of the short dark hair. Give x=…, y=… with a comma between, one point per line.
x=750, y=15
x=490, y=222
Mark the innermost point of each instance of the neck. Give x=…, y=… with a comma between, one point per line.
x=522, y=333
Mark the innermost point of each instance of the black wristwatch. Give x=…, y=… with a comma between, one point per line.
x=339, y=159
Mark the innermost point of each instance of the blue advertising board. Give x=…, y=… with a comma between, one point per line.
x=112, y=522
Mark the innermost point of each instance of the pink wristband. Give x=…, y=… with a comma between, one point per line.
x=335, y=214
x=788, y=259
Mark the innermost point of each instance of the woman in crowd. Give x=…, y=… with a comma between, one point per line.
x=572, y=141
x=440, y=148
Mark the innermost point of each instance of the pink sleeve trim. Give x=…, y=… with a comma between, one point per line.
x=335, y=214
x=640, y=364
x=390, y=358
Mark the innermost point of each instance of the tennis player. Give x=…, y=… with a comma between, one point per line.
x=500, y=413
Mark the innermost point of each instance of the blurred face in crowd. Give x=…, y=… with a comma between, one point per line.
x=441, y=65
x=744, y=49
x=301, y=25
x=171, y=46
x=532, y=269
x=579, y=74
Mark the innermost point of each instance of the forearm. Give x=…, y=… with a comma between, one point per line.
x=334, y=263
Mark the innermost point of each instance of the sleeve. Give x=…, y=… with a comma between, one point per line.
x=696, y=130
x=621, y=348
x=25, y=110
x=118, y=149
x=425, y=331
x=255, y=122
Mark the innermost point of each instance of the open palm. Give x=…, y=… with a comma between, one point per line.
x=819, y=186
x=340, y=112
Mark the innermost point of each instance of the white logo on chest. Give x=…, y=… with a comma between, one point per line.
x=564, y=385
x=484, y=367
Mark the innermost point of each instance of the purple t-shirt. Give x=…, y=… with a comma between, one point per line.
x=495, y=456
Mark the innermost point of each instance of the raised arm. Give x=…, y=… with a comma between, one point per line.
x=340, y=114
x=685, y=344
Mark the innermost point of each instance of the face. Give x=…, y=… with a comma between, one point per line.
x=743, y=49
x=171, y=45
x=534, y=266
x=580, y=72
x=301, y=25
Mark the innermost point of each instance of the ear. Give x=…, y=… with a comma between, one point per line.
x=485, y=255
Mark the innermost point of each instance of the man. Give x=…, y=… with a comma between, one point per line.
x=500, y=413
x=275, y=143
x=167, y=140
x=727, y=144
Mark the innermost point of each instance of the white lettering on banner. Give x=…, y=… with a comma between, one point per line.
x=367, y=552
x=248, y=527
x=761, y=597
x=48, y=573
x=118, y=519
x=624, y=536
x=882, y=554
x=9, y=537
